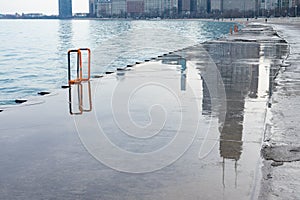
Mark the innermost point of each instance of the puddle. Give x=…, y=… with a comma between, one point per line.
x=226, y=146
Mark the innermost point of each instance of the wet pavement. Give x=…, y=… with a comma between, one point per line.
x=186, y=125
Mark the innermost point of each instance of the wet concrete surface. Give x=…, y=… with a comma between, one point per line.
x=281, y=148
x=187, y=125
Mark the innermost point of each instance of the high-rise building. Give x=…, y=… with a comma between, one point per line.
x=184, y=6
x=65, y=8
x=118, y=7
x=216, y=5
x=92, y=10
x=202, y=6
x=208, y=6
x=104, y=8
x=158, y=7
x=135, y=7
x=240, y=5
x=193, y=6
x=153, y=7
x=169, y=5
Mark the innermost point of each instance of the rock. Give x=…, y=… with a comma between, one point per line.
x=281, y=153
x=43, y=93
x=98, y=76
x=276, y=164
x=65, y=86
x=19, y=101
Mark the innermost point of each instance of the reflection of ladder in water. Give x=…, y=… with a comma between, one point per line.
x=81, y=98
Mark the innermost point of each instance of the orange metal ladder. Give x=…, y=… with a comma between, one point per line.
x=79, y=65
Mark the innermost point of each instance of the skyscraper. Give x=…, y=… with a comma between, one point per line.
x=92, y=10
x=216, y=5
x=193, y=6
x=208, y=6
x=201, y=6
x=184, y=6
x=65, y=8
x=241, y=5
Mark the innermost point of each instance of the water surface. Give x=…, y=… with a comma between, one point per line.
x=33, y=57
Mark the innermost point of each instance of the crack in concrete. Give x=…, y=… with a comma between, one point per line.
x=281, y=153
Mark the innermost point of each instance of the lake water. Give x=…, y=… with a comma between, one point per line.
x=33, y=56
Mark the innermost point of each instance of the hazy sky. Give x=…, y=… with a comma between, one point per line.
x=39, y=6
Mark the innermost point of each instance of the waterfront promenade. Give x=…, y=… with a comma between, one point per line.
x=188, y=124
x=281, y=178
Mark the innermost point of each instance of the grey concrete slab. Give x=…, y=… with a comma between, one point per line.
x=281, y=167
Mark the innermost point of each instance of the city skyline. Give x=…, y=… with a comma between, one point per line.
x=193, y=8
x=107, y=8
x=49, y=7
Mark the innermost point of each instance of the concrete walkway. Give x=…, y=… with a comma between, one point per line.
x=281, y=179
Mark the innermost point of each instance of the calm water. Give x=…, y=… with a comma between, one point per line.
x=33, y=54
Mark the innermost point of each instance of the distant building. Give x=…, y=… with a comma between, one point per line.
x=153, y=7
x=169, y=6
x=239, y=5
x=65, y=8
x=92, y=10
x=159, y=7
x=217, y=5
x=104, y=8
x=119, y=7
x=184, y=6
x=208, y=6
x=135, y=7
x=193, y=6
x=202, y=6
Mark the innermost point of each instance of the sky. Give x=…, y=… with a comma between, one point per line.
x=48, y=7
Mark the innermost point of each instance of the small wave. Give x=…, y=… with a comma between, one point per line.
x=11, y=55
x=7, y=102
x=6, y=81
x=28, y=76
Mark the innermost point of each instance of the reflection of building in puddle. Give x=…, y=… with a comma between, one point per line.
x=173, y=59
x=237, y=81
x=247, y=71
x=240, y=80
x=254, y=82
x=80, y=98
